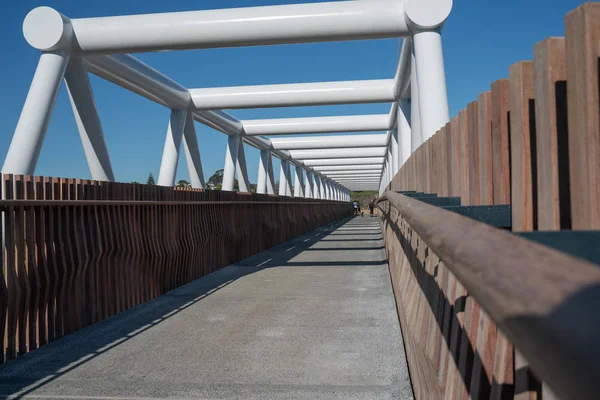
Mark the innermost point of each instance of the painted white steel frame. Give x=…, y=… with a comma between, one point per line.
x=72, y=47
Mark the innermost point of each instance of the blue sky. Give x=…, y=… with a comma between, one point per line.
x=482, y=38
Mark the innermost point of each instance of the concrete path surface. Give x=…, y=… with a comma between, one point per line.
x=313, y=318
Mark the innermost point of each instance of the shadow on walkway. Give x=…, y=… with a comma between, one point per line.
x=34, y=370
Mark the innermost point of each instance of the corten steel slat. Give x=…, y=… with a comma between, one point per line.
x=79, y=276
x=70, y=237
x=484, y=139
x=23, y=279
x=32, y=268
x=464, y=157
x=11, y=273
x=448, y=157
x=582, y=34
x=65, y=260
x=456, y=153
x=473, y=153
x=59, y=258
x=522, y=147
x=48, y=249
x=500, y=120
x=94, y=250
x=113, y=297
x=551, y=135
x=530, y=307
x=3, y=301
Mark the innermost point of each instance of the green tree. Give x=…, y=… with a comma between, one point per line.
x=183, y=183
x=216, y=181
x=150, y=180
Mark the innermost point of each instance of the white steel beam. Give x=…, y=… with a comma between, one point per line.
x=88, y=121
x=242, y=170
x=270, y=177
x=328, y=169
x=415, y=117
x=309, y=184
x=28, y=138
x=192, y=154
x=170, y=157
x=251, y=26
x=329, y=142
x=346, y=173
x=395, y=149
x=263, y=167
x=369, y=178
x=366, y=174
x=404, y=133
x=298, y=182
x=344, y=161
x=231, y=153
x=338, y=153
x=293, y=126
x=294, y=94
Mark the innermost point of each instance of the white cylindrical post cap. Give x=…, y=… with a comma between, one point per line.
x=46, y=29
x=427, y=14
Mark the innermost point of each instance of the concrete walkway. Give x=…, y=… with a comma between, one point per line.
x=313, y=318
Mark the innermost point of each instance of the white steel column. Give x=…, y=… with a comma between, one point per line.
x=415, y=117
x=395, y=151
x=298, y=183
x=426, y=22
x=27, y=140
x=308, y=186
x=404, y=132
x=288, y=181
x=170, y=157
x=317, y=187
x=390, y=169
x=263, y=166
x=88, y=122
x=192, y=153
x=270, y=176
x=231, y=154
x=433, y=95
x=242, y=170
x=283, y=176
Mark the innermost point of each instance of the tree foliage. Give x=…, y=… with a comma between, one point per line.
x=150, y=180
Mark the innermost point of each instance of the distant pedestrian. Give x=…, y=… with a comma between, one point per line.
x=371, y=207
x=355, y=205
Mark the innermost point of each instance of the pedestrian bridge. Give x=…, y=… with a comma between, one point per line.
x=311, y=318
x=477, y=278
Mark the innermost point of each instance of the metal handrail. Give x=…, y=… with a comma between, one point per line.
x=545, y=301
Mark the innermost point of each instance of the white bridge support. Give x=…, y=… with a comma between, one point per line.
x=231, y=154
x=298, y=182
x=242, y=170
x=333, y=164
x=308, y=185
x=28, y=138
x=263, y=171
x=192, y=154
x=88, y=121
x=170, y=158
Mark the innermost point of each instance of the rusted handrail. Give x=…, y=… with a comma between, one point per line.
x=546, y=302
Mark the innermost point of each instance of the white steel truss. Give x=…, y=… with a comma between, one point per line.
x=324, y=166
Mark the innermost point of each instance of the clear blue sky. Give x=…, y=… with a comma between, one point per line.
x=482, y=38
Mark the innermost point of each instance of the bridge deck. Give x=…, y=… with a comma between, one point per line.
x=312, y=318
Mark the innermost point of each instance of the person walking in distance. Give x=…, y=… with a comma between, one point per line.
x=371, y=207
x=355, y=205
